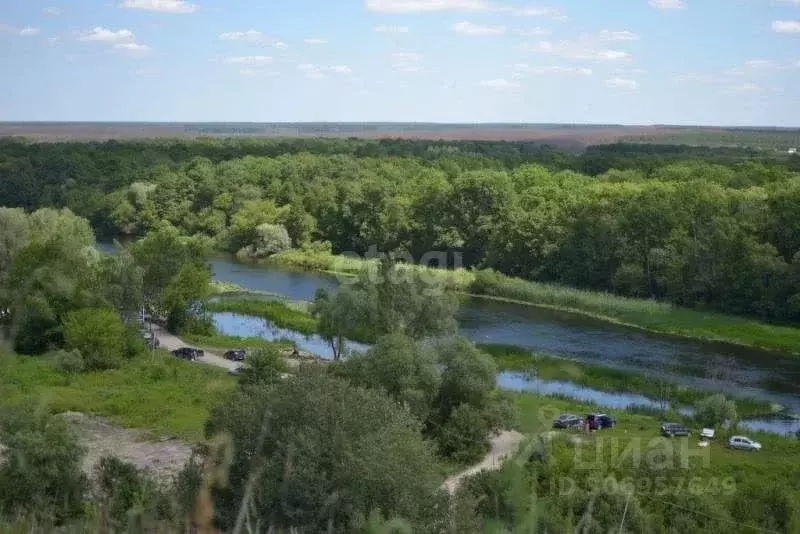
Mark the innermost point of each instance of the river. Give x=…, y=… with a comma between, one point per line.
x=707, y=366
x=713, y=366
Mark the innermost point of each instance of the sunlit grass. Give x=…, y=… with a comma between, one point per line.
x=636, y=431
x=154, y=392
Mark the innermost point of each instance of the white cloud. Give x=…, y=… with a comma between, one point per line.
x=317, y=72
x=406, y=56
x=251, y=73
x=762, y=64
x=748, y=88
x=532, y=11
x=425, y=6
x=250, y=36
x=52, y=11
x=532, y=32
x=249, y=60
x=668, y=4
x=408, y=69
x=500, y=83
x=786, y=26
x=280, y=45
x=104, y=35
x=622, y=83
x=522, y=69
x=27, y=31
x=476, y=30
x=607, y=35
x=161, y=6
x=584, y=47
x=695, y=77
x=430, y=6
x=314, y=41
x=391, y=29
x=133, y=49
x=793, y=2
x=628, y=71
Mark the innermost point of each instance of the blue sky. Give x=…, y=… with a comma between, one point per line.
x=714, y=62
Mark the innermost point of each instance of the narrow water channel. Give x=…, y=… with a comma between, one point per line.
x=247, y=326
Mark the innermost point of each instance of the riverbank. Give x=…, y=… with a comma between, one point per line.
x=648, y=315
x=666, y=393
x=658, y=395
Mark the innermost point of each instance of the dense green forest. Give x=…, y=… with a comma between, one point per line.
x=715, y=228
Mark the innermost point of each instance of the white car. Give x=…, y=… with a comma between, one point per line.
x=744, y=443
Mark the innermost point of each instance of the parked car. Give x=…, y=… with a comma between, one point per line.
x=236, y=355
x=598, y=421
x=566, y=420
x=188, y=353
x=674, y=429
x=744, y=443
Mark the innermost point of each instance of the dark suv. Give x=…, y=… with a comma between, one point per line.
x=236, y=355
x=674, y=429
x=598, y=421
x=188, y=353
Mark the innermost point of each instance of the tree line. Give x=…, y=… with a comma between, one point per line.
x=666, y=223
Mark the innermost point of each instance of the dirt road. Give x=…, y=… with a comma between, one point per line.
x=503, y=446
x=171, y=342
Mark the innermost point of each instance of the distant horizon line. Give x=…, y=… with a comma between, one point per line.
x=410, y=123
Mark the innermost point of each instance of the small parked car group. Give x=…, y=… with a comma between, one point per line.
x=594, y=421
x=188, y=353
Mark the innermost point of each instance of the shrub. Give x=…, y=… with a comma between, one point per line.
x=99, y=335
x=40, y=468
x=69, y=362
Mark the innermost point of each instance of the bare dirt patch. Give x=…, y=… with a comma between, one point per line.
x=163, y=457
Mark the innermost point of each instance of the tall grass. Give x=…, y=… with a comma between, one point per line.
x=646, y=314
x=156, y=392
x=282, y=314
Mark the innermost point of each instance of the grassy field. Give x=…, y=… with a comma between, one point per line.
x=154, y=392
x=649, y=315
x=776, y=462
x=547, y=367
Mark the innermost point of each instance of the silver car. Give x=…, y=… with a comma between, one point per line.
x=744, y=443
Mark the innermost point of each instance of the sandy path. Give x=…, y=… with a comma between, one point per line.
x=503, y=446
